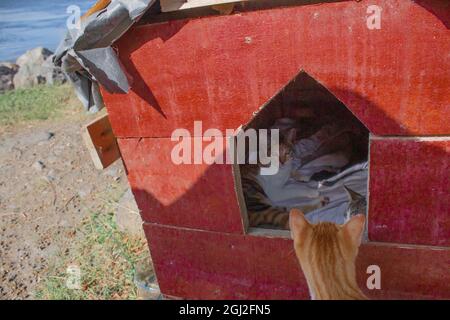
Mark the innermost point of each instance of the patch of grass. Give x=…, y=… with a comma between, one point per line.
x=38, y=103
x=107, y=259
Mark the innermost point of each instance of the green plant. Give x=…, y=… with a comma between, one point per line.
x=38, y=103
x=107, y=259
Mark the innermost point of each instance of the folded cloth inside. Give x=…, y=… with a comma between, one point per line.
x=332, y=162
x=355, y=178
x=297, y=185
x=285, y=192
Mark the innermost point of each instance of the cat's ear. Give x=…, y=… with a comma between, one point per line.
x=291, y=136
x=297, y=223
x=355, y=228
x=352, y=195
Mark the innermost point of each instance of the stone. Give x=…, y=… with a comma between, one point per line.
x=36, y=67
x=146, y=282
x=84, y=191
x=53, y=75
x=127, y=216
x=37, y=138
x=36, y=55
x=38, y=165
x=30, y=68
x=114, y=172
x=7, y=72
x=49, y=135
x=51, y=176
x=45, y=137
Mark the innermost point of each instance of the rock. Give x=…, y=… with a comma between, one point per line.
x=37, y=137
x=84, y=191
x=146, y=282
x=38, y=165
x=127, y=216
x=36, y=67
x=10, y=65
x=49, y=135
x=45, y=137
x=36, y=55
x=51, y=176
x=53, y=74
x=7, y=72
x=114, y=173
x=30, y=68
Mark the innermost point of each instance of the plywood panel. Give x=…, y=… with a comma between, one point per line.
x=198, y=196
x=209, y=265
x=101, y=142
x=410, y=191
x=221, y=69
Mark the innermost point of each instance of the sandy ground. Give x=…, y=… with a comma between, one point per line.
x=48, y=184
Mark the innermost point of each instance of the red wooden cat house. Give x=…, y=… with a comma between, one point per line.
x=199, y=64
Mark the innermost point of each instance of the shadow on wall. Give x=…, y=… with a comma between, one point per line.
x=440, y=8
x=138, y=83
x=408, y=194
x=397, y=186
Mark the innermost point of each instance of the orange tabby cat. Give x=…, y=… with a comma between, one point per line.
x=327, y=254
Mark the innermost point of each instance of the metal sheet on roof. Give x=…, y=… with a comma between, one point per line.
x=87, y=57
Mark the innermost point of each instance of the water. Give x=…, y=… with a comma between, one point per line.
x=26, y=24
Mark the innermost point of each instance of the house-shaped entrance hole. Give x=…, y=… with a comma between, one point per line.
x=323, y=155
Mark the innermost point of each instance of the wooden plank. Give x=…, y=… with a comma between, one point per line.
x=101, y=142
x=174, y=5
x=196, y=264
x=409, y=190
x=197, y=196
x=241, y=61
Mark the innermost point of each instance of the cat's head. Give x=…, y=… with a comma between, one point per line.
x=322, y=237
x=357, y=203
x=285, y=145
x=325, y=241
x=353, y=195
x=283, y=153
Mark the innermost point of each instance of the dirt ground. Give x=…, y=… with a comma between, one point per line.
x=48, y=184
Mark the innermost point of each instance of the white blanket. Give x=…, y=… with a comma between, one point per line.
x=284, y=191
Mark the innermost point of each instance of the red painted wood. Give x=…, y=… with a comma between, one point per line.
x=221, y=69
x=207, y=265
x=410, y=191
x=406, y=272
x=197, y=196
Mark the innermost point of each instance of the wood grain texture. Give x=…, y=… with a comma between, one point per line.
x=395, y=79
x=210, y=265
x=198, y=196
x=220, y=70
x=410, y=191
x=101, y=142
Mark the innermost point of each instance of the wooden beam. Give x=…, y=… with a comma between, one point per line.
x=174, y=5
x=101, y=142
